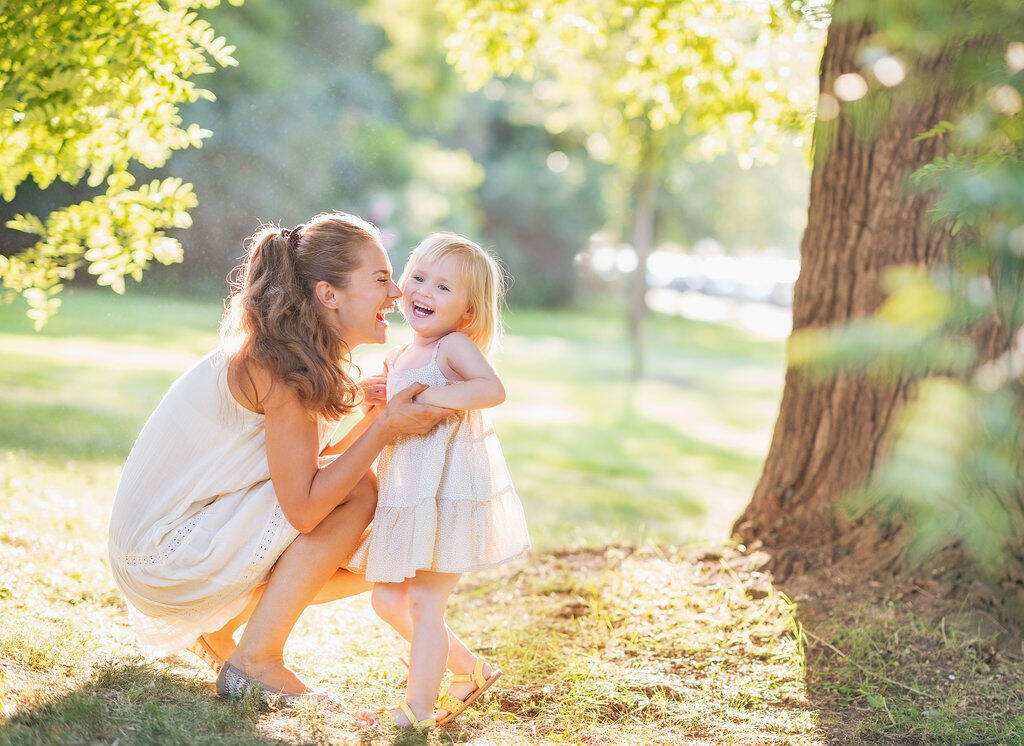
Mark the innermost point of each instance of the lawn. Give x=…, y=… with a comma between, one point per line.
x=631, y=623
x=596, y=458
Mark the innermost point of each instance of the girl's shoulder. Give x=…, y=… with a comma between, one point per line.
x=457, y=355
x=456, y=343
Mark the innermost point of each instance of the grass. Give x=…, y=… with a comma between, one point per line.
x=613, y=632
x=595, y=458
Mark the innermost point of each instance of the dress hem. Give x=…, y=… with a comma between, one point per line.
x=411, y=572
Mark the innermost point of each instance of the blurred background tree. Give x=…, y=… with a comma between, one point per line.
x=907, y=354
x=89, y=88
x=649, y=87
x=353, y=105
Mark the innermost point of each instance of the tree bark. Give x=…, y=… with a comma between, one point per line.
x=861, y=220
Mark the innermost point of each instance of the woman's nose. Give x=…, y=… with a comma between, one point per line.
x=394, y=291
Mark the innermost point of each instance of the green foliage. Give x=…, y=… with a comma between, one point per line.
x=953, y=461
x=537, y=220
x=954, y=468
x=86, y=90
x=645, y=86
x=618, y=69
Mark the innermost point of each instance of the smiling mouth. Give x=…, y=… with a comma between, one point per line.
x=421, y=311
x=384, y=312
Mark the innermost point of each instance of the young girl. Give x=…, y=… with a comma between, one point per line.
x=446, y=503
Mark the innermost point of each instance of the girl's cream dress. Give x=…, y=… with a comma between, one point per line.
x=446, y=501
x=196, y=525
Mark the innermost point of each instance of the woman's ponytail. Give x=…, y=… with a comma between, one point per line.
x=273, y=321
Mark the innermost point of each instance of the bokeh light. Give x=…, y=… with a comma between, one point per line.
x=850, y=87
x=888, y=70
x=557, y=161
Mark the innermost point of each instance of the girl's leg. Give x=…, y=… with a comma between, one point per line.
x=391, y=602
x=428, y=598
x=302, y=574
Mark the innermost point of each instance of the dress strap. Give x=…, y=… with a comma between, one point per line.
x=437, y=346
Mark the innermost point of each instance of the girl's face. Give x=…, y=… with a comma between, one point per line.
x=435, y=299
x=358, y=309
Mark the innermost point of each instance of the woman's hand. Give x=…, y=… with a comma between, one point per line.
x=404, y=416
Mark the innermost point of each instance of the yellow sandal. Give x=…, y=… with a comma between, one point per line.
x=456, y=706
x=386, y=716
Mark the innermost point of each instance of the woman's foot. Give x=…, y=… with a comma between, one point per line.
x=220, y=643
x=270, y=672
x=479, y=679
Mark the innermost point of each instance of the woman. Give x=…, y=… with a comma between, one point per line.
x=226, y=512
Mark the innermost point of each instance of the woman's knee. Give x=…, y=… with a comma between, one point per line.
x=389, y=600
x=363, y=497
x=342, y=528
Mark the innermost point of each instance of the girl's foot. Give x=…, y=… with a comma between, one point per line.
x=403, y=716
x=271, y=672
x=466, y=687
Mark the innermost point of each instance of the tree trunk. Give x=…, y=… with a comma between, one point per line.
x=861, y=220
x=643, y=243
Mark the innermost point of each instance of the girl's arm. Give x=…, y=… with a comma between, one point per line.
x=481, y=386
x=308, y=494
x=374, y=391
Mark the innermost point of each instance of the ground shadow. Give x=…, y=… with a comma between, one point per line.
x=888, y=663
x=134, y=703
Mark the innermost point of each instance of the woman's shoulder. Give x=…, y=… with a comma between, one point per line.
x=248, y=383
x=256, y=388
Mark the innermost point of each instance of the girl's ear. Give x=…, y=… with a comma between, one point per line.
x=327, y=295
x=466, y=319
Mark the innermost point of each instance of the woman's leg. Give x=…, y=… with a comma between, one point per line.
x=306, y=571
x=340, y=585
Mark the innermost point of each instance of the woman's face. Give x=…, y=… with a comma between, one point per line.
x=358, y=309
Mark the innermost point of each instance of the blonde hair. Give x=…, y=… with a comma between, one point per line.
x=273, y=320
x=484, y=278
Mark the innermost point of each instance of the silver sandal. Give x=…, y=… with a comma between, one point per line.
x=234, y=683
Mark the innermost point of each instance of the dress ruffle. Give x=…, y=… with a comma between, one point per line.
x=453, y=536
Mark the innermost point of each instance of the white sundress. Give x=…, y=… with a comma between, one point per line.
x=195, y=525
x=446, y=502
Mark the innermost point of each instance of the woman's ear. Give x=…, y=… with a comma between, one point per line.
x=327, y=295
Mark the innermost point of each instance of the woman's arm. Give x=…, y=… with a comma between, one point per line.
x=352, y=435
x=308, y=494
x=481, y=386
